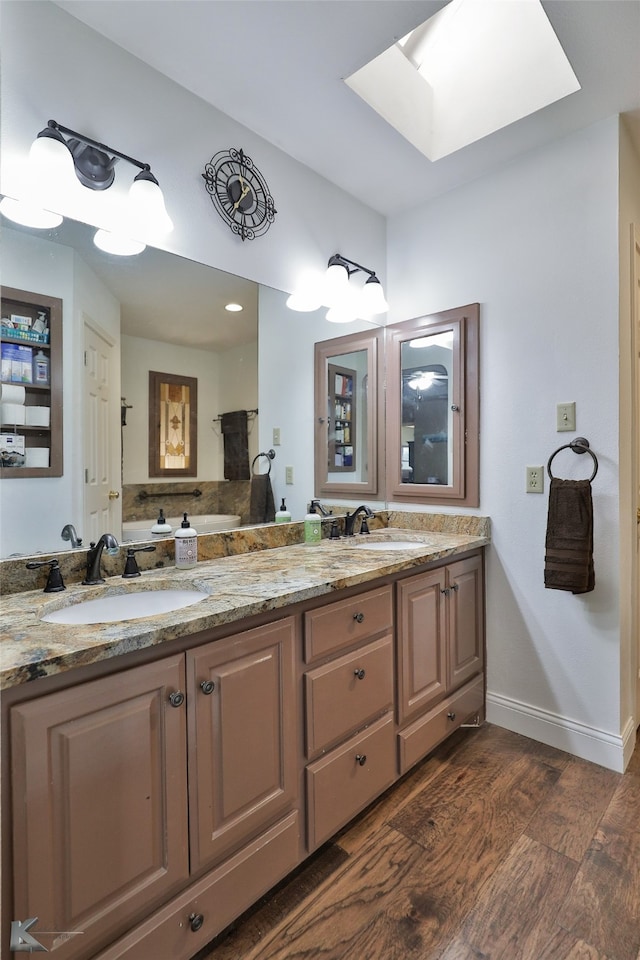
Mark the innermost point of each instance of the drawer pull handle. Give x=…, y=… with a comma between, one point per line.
x=361, y=759
x=207, y=687
x=195, y=921
x=360, y=674
x=176, y=699
x=358, y=617
x=451, y=716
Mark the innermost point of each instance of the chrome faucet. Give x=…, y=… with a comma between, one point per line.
x=69, y=533
x=350, y=519
x=94, y=556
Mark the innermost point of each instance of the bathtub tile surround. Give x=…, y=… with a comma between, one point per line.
x=218, y=496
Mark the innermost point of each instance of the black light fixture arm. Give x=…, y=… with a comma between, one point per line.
x=54, y=125
x=338, y=260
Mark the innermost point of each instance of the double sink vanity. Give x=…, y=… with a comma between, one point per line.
x=164, y=766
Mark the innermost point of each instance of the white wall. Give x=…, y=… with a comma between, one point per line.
x=536, y=245
x=215, y=372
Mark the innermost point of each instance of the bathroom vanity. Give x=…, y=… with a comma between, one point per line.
x=161, y=774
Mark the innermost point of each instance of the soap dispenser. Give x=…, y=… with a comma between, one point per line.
x=312, y=526
x=186, y=545
x=161, y=528
x=283, y=515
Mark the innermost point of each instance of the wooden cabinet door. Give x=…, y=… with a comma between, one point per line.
x=242, y=738
x=422, y=653
x=99, y=805
x=466, y=620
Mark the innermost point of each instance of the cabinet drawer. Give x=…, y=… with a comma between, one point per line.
x=343, y=695
x=339, y=786
x=341, y=624
x=218, y=898
x=416, y=740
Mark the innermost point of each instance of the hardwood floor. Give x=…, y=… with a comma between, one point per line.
x=494, y=848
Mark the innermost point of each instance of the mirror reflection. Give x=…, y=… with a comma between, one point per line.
x=123, y=318
x=349, y=398
x=426, y=384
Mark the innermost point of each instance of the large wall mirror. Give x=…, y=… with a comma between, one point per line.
x=349, y=416
x=432, y=408
x=156, y=312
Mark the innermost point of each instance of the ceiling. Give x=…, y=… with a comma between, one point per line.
x=277, y=67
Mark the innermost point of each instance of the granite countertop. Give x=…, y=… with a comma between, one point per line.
x=237, y=587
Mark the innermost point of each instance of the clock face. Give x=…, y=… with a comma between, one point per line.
x=239, y=193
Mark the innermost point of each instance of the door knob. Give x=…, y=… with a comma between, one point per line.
x=114, y=495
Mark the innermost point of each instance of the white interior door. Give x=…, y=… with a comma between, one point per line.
x=102, y=482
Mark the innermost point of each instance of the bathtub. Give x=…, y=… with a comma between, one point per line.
x=205, y=523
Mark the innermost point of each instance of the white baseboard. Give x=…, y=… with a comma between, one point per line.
x=588, y=743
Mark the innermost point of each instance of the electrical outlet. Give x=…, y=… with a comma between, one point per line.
x=565, y=416
x=535, y=480
x=288, y=475
x=276, y=436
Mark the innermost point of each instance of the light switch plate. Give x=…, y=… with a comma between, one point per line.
x=535, y=480
x=288, y=474
x=566, y=416
x=276, y=436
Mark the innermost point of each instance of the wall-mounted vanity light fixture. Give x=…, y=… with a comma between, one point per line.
x=61, y=163
x=346, y=301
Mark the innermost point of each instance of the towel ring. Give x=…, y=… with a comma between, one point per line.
x=579, y=445
x=270, y=454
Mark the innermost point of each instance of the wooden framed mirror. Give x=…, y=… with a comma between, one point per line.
x=432, y=408
x=349, y=404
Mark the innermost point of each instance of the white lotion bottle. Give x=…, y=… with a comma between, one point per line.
x=283, y=515
x=186, y=545
x=312, y=527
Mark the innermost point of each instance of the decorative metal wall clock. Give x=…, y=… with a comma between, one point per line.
x=239, y=193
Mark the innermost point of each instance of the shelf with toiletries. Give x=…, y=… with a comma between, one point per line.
x=342, y=419
x=30, y=385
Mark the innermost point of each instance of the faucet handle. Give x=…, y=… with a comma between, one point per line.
x=55, y=583
x=131, y=565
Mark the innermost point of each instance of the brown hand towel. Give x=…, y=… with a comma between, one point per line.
x=236, y=445
x=569, y=541
x=262, y=507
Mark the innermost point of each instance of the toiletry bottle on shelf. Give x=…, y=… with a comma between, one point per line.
x=283, y=515
x=312, y=527
x=161, y=528
x=186, y=545
x=41, y=368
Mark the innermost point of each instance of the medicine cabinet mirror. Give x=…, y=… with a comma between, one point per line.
x=349, y=402
x=432, y=408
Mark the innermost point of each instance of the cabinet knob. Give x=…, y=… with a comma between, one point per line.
x=451, y=716
x=360, y=674
x=176, y=699
x=207, y=687
x=195, y=921
x=361, y=759
x=358, y=617
x=446, y=591
x=455, y=586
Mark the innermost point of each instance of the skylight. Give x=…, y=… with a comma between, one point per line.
x=473, y=68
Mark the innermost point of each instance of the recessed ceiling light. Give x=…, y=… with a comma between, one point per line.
x=234, y=307
x=474, y=67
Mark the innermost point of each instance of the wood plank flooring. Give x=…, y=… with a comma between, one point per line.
x=494, y=848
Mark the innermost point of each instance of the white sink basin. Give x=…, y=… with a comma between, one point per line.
x=125, y=606
x=390, y=545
